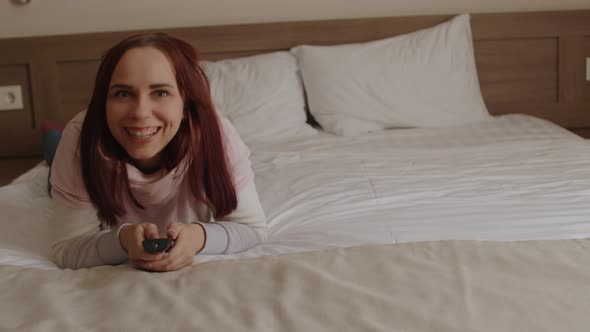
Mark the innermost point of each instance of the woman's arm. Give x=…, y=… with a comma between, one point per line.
x=77, y=241
x=243, y=229
x=76, y=238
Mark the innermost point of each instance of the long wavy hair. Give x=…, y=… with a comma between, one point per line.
x=198, y=138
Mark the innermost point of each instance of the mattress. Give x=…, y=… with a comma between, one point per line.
x=515, y=177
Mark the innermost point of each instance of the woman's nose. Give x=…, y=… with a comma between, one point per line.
x=142, y=108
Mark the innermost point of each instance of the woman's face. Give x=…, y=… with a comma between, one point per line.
x=144, y=107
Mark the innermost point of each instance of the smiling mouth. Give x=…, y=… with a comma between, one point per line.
x=142, y=134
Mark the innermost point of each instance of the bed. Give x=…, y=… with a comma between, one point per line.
x=476, y=226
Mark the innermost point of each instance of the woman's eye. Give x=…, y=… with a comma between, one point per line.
x=122, y=94
x=162, y=93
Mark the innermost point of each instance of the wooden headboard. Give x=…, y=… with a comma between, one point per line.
x=530, y=63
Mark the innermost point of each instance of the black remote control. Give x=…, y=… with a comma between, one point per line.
x=157, y=245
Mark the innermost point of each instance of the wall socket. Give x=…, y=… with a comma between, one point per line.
x=11, y=98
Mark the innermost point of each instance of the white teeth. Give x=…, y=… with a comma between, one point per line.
x=142, y=133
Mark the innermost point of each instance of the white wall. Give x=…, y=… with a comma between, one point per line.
x=51, y=17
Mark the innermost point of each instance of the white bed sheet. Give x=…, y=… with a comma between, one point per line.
x=512, y=178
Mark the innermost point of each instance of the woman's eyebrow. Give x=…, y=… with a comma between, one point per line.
x=161, y=85
x=152, y=86
x=120, y=86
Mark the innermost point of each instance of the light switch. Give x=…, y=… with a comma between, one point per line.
x=11, y=98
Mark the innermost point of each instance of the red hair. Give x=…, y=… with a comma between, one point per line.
x=198, y=138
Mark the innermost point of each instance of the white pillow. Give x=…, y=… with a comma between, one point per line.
x=422, y=79
x=261, y=95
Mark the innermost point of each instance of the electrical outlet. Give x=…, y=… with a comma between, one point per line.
x=11, y=98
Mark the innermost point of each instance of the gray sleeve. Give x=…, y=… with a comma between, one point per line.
x=226, y=237
x=77, y=241
x=88, y=250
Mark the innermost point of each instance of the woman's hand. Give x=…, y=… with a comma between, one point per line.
x=188, y=240
x=131, y=238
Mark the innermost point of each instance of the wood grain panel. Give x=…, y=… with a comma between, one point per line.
x=68, y=111
x=571, y=63
x=582, y=132
x=530, y=25
x=587, y=83
x=232, y=55
x=21, y=118
x=76, y=80
x=526, y=66
x=20, y=142
x=265, y=36
x=44, y=83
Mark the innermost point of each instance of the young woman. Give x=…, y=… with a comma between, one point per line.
x=150, y=158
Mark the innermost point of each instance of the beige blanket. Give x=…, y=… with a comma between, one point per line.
x=429, y=286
